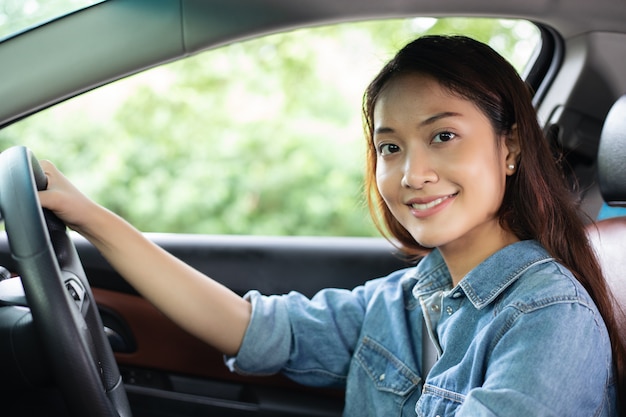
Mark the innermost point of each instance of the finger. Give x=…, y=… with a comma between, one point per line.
x=48, y=168
x=46, y=163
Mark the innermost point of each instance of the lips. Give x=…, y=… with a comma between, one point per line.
x=423, y=204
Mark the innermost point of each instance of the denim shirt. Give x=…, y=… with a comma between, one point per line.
x=518, y=336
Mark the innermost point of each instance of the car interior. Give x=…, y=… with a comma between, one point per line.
x=67, y=291
x=608, y=235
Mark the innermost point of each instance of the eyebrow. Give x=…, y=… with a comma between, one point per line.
x=439, y=116
x=429, y=121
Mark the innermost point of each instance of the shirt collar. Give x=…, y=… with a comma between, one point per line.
x=487, y=280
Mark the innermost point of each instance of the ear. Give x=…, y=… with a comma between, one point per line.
x=513, y=150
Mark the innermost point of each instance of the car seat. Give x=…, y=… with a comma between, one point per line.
x=608, y=236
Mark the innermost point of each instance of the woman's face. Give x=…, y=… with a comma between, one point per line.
x=441, y=168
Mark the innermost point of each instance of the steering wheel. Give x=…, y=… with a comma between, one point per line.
x=62, y=305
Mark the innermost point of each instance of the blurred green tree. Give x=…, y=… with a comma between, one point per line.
x=259, y=137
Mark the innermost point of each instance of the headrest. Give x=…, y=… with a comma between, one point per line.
x=612, y=155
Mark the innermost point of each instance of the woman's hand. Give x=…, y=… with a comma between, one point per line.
x=65, y=200
x=197, y=303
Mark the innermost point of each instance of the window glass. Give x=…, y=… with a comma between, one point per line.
x=261, y=137
x=18, y=15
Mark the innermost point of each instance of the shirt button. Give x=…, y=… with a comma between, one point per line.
x=435, y=307
x=381, y=377
x=456, y=294
x=449, y=310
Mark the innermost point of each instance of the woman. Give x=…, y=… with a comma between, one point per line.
x=457, y=171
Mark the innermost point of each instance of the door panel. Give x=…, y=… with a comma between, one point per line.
x=171, y=373
x=168, y=372
x=272, y=265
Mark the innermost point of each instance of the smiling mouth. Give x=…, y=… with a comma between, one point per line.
x=431, y=204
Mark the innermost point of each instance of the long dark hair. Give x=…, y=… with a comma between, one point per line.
x=537, y=202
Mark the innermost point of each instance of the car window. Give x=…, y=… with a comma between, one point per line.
x=259, y=137
x=18, y=15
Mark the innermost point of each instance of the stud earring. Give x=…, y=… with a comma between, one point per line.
x=511, y=167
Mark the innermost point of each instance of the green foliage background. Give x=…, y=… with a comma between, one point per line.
x=261, y=137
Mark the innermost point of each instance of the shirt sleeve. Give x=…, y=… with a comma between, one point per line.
x=267, y=340
x=310, y=340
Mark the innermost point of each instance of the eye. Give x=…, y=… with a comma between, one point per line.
x=443, y=137
x=387, y=149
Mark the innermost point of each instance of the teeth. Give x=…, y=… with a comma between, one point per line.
x=432, y=204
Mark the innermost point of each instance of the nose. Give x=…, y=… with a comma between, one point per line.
x=418, y=170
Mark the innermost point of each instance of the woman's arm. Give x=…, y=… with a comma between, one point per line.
x=195, y=302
